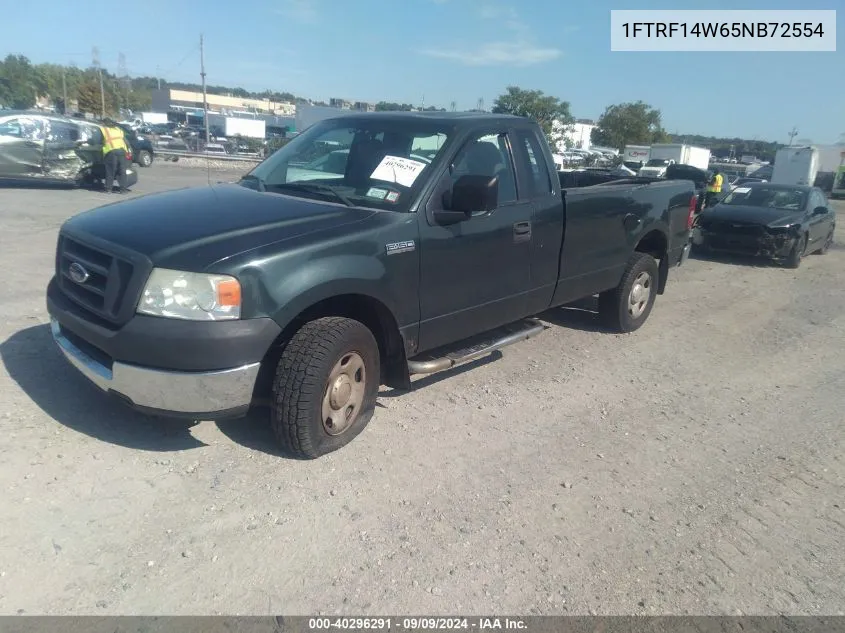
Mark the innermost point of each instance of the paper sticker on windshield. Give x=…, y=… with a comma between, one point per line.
x=742, y=189
x=402, y=171
x=375, y=192
x=393, y=196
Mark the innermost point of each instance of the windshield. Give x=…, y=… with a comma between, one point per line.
x=375, y=163
x=767, y=198
x=657, y=162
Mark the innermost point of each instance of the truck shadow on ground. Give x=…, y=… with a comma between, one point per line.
x=579, y=315
x=254, y=431
x=746, y=261
x=32, y=360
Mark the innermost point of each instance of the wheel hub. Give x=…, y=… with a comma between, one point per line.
x=640, y=294
x=344, y=395
x=341, y=391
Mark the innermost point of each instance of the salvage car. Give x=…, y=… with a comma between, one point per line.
x=778, y=222
x=142, y=150
x=308, y=294
x=52, y=148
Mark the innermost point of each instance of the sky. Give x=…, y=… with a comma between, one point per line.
x=435, y=52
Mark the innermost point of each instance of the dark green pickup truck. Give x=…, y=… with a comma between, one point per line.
x=370, y=248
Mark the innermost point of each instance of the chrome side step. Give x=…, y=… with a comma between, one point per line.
x=481, y=346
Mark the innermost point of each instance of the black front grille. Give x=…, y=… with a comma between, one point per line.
x=734, y=228
x=110, y=291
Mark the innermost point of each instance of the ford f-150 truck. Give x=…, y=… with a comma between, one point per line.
x=423, y=240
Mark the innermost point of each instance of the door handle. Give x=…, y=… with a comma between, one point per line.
x=521, y=232
x=631, y=222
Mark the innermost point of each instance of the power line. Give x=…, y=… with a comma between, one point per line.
x=184, y=59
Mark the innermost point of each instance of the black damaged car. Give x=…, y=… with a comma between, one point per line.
x=779, y=222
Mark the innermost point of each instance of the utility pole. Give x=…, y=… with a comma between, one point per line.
x=204, y=97
x=64, y=92
x=793, y=134
x=96, y=60
x=158, y=76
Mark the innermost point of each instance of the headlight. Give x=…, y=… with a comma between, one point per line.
x=194, y=296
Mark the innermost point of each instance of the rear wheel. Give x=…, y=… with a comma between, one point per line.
x=145, y=159
x=797, y=253
x=325, y=386
x=828, y=242
x=626, y=307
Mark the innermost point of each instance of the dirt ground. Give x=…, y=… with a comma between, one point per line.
x=693, y=467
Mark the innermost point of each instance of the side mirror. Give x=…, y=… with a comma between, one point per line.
x=820, y=211
x=475, y=193
x=470, y=194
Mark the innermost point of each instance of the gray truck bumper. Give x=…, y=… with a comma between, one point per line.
x=685, y=254
x=223, y=393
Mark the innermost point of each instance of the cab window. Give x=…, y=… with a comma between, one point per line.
x=540, y=182
x=487, y=155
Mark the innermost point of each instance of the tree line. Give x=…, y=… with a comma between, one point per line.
x=634, y=123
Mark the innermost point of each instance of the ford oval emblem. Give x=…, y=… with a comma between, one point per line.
x=78, y=273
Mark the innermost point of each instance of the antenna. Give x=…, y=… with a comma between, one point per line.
x=453, y=105
x=793, y=134
x=95, y=61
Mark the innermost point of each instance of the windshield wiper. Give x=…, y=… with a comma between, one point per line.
x=259, y=181
x=315, y=188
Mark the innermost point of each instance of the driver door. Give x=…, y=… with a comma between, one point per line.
x=475, y=275
x=819, y=224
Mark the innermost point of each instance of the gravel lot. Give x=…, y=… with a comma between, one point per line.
x=694, y=467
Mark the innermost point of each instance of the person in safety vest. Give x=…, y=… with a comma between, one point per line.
x=114, y=155
x=714, y=188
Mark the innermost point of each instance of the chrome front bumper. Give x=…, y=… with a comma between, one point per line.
x=176, y=392
x=685, y=254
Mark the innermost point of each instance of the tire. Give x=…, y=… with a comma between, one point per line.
x=797, y=253
x=827, y=244
x=306, y=422
x=145, y=159
x=616, y=310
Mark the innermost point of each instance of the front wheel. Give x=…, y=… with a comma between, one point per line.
x=797, y=253
x=325, y=386
x=626, y=307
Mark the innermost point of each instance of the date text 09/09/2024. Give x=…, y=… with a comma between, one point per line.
x=415, y=624
x=724, y=29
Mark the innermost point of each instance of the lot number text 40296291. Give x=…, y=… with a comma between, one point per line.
x=416, y=624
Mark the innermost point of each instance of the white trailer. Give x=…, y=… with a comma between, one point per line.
x=154, y=118
x=795, y=166
x=635, y=156
x=665, y=154
x=231, y=126
x=250, y=128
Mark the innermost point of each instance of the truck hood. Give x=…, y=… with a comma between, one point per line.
x=750, y=215
x=192, y=228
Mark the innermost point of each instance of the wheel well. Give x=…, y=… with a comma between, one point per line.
x=655, y=244
x=369, y=311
